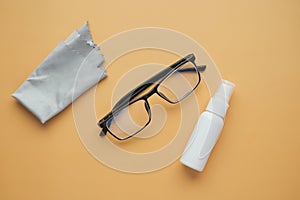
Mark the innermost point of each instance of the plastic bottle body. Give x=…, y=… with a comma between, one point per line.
x=202, y=141
x=208, y=128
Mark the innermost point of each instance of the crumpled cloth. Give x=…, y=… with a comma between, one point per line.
x=50, y=88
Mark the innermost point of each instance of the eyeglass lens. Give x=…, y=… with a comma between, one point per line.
x=129, y=120
x=180, y=83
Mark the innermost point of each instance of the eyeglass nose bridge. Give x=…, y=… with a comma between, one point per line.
x=155, y=91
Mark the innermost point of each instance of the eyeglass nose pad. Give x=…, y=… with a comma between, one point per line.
x=103, y=132
x=163, y=96
x=147, y=106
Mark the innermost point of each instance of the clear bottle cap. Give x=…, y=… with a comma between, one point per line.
x=218, y=104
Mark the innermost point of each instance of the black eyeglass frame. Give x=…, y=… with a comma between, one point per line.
x=127, y=99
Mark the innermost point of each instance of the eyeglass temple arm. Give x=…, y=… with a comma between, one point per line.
x=200, y=68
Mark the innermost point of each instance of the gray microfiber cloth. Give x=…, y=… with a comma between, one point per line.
x=50, y=88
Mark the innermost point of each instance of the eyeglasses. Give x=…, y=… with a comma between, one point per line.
x=132, y=113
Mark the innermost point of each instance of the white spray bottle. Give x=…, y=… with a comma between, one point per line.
x=208, y=128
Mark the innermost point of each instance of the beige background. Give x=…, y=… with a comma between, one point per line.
x=255, y=45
